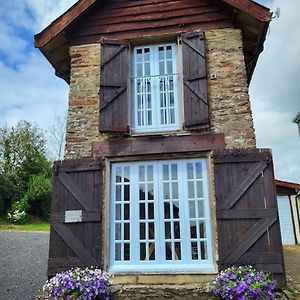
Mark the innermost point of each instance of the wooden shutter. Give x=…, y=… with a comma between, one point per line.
x=77, y=190
x=114, y=76
x=196, y=108
x=247, y=215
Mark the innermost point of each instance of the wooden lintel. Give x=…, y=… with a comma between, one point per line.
x=158, y=145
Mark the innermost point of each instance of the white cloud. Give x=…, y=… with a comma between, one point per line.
x=46, y=11
x=275, y=91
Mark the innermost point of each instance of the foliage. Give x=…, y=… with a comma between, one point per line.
x=39, y=195
x=19, y=211
x=8, y=192
x=243, y=283
x=22, y=154
x=87, y=284
x=23, y=158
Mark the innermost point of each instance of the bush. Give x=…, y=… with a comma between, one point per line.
x=243, y=283
x=2, y=206
x=86, y=284
x=39, y=195
x=18, y=212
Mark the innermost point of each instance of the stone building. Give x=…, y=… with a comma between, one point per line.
x=162, y=182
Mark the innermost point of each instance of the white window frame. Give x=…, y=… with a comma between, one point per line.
x=161, y=264
x=156, y=125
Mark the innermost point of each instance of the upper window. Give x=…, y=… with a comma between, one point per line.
x=155, y=88
x=160, y=217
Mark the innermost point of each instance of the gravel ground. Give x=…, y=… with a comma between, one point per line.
x=23, y=264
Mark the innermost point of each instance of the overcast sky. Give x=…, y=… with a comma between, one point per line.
x=29, y=90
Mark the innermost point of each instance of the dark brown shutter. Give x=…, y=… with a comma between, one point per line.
x=77, y=187
x=196, y=108
x=247, y=215
x=114, y=76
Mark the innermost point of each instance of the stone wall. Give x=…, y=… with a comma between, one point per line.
x=83, y=114
x=228, y=94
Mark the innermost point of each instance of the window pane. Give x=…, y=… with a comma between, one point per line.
x=126, y=231
x=202, y=229
x=141, y=173
x=118, y=231
x=169, y=67
x=142, y=231
x=118, y=174
x=118, y=211
x=142, y=251
x=168, y=249
x=126, y=251
x=192, y=209
x=166, y=172
x=151, y=231
x=142, y=192
x=126, y=212
x=199, y=189
x=117, y=251
x=190, y=171
x=176, y=210
x=167, y=210
x=201, y=209
x=147, y=54
x=203, y=246
x=194, y=248
x=150, y=192
x=166, y=191
x=198, y=170
x=150, y=211
x=142, y=211
x=152, y=251
x=193, y=229
x=118, y=193
x=167, y=230
x=176, y=230
x=169, y=52
x=147, y=69
x=174, y=172
x=174, y=190
x=127, y=193
x=127, y=174
x=191, y=190
x=139, y=70
x=178, y=251
x=150, y=173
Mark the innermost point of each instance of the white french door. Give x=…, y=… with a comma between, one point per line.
x=160, y=217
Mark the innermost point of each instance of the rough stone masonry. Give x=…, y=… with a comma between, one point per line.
x=227, y=87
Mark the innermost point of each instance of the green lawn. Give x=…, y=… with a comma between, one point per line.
x=34, y=224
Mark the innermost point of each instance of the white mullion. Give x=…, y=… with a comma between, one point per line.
x=207, y=211
x=175, y=80
x=184, y=206
x=113, y=216
x=155, y=93
x=160, y=212
x=134, y=220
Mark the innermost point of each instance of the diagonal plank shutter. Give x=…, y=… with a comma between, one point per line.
x=196, y=107
x=114, y=75
x=247, y=216
x=77, y=189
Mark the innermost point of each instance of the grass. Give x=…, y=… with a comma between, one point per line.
x=33, y=224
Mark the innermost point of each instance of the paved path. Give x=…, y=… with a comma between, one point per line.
x=23, y=264
x=292, y=261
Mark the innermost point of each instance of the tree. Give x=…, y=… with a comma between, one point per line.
x=22, y=155
x=57, y=136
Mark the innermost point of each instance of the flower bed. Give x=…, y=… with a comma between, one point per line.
x=83, y=284
x=243, y=283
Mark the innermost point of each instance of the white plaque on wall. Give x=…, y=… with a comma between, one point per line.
x=73, y=216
